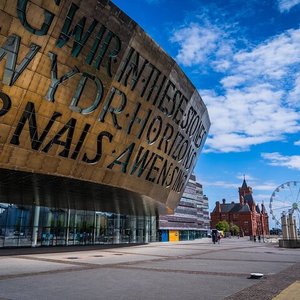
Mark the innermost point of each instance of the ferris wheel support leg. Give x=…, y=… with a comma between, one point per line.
x=285, y=227
x=295, y=228
x=292, y=228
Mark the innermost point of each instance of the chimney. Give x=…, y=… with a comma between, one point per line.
x=218, y=207
x=223, y=200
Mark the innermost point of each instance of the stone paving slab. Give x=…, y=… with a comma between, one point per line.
x=183, y=270
x=14, y=266
x=208, y=265
x=162, y=251
x=96, y=258
x=265, y=255
x=116, y=284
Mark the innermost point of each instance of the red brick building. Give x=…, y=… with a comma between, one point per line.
x=249, y=217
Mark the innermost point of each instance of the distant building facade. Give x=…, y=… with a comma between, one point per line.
x=249, y=217
x=190, y=219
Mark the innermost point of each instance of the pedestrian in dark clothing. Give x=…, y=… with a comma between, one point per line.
x=214, y=235
x=259, y=238
x=214, y=238
x=254, y=238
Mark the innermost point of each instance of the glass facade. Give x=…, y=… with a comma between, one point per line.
x=34, y=226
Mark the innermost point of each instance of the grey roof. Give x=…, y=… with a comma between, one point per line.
x=245, y=208
x=226, y=207
x=237, y=207
x=233, y=208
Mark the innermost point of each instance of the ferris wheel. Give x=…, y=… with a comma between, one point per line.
x=285, y=198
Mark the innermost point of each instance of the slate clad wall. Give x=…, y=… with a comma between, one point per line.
x=87, y=94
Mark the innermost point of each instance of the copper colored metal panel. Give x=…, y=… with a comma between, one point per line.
x=89, y=98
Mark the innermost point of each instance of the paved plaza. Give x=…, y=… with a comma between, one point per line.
x=182, y=270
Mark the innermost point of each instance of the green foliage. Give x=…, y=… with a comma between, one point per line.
x=223, y=225
x=234, y=229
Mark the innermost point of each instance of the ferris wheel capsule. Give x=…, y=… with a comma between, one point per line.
x=285, y=198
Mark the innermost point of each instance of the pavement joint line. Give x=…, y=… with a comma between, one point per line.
x=60, y=261
x=133, y=253
x=13, y=276
x=130, y=263
x=4, y=254
x=77, y=263
x=120, y=266
x=281, y=254
x=193, y=272
x=234, y=259
x=196, y=249
x=84, y=264
x=15, y=251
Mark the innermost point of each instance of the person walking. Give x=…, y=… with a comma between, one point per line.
x=214, y=235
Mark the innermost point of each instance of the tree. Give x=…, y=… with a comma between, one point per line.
x=234, y=229
x=223, y=225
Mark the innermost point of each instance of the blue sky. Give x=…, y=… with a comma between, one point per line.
x=244, y=58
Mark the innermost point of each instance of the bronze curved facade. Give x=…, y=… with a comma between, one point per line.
x=93, y=113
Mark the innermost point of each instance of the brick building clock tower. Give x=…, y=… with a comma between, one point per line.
x=248, y=216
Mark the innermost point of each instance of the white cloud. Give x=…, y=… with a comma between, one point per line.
x=294, y=94
x=257, y=184
x=223, y=184
x=297, y=143
x=221, y=65
x=276, y=159
x=258, y=99
x=265, y=186
x=272, y=59
x=247, y=177
x=245, y=117
x=232, y=81
x=197, y=42
x=286, y=5
x=252, y=107
x=263, y=198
